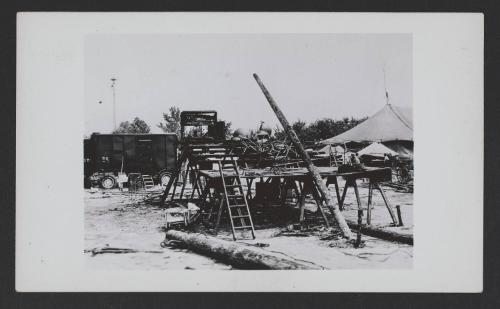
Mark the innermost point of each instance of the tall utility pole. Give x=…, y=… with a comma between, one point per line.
x=113, y=80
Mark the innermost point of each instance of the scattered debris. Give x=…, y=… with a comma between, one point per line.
x=97, y=251
x=173, y=244
x=293, y=233
x=181, y=215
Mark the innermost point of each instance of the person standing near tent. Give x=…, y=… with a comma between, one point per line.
x=357, y=161
x=354, y=160
x=387, y=159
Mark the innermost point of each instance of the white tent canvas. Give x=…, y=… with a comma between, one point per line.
x=390, y=123
x=376, y=150
x=334, y=149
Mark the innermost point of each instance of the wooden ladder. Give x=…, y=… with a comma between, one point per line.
x=236, y=202
x=148, y=182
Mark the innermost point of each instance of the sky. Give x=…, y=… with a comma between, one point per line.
x=310, y=76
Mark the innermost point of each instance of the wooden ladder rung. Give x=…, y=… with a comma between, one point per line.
x=242, y=227
x=239, y=217
x=237, y=205
x=235, y=195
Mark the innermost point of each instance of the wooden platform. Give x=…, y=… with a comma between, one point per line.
x=300, y=181
x=381, y=174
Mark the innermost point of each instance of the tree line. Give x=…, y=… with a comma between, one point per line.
x=307, y=132
x=320, y=129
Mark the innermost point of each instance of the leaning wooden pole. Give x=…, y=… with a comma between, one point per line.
x=313, y=170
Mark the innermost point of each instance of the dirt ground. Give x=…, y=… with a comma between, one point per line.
x=121, y=220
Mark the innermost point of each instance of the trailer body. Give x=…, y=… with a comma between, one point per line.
x=109, y=154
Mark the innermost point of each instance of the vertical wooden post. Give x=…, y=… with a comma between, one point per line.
x=357, y=244
x=369, y=210
x=400, y=219
x=358, y=201
x=219, y=212
x=302, y=203
x=313, y=170
x=185, y=180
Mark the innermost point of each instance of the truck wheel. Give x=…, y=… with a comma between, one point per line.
x=108, y=182
x=164, y=178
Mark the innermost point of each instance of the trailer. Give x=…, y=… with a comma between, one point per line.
x=144, y=159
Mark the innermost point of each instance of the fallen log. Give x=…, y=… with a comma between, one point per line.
x=381, y=233
x=237, y=254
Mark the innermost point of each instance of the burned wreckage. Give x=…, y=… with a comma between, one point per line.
x=207, y=177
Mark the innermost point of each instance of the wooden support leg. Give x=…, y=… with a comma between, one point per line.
x=400, y=219
x=174, y=187
x=356, y=192
x=249, y=188
x=195, y=185
x=337, y=192
x=203, y=197
x=283, y=192
x=213, y=198
x=173, y=180
x=369, y=210
x=300, y=189
x=302, y=202
x=341, y=204
x=219, y=213
x=357, y=244
x=200, y=185
x=184, y=182
x=387, y=204
x=297, y=191
x=319, y=202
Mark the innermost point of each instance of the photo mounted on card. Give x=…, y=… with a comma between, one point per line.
x=229, y=172
x=296, y=156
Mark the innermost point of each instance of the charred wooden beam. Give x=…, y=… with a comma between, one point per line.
x=318, y=181
x=382, y=233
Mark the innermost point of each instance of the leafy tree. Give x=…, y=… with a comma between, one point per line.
x=172, y=121
x=227, y=129
x=320, y=129
x=136, y=126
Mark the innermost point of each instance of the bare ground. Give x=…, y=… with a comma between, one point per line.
x=120, y=220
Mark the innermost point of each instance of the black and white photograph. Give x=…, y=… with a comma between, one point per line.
x=248, y=151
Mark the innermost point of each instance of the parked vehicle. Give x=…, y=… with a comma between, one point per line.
x=112, y=157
